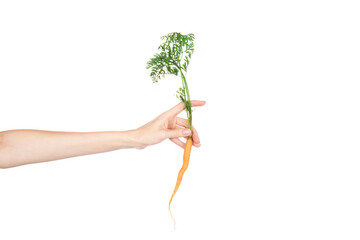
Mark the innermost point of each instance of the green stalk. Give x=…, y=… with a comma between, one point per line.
x=188, y=102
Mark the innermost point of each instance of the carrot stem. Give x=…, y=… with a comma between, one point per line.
x=187, y=101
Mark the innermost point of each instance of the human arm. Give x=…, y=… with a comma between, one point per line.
x=19, y=147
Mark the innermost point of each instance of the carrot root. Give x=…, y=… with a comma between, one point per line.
x=186, y=158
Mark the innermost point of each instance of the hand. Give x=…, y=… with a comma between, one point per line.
x=168, y=125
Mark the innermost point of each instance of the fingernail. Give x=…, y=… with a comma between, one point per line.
x=187, y=132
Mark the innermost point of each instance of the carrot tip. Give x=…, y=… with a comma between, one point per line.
x=172, y=218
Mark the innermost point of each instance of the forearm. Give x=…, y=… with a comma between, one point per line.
x=18, y=147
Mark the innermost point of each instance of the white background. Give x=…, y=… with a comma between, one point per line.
x=280, y=131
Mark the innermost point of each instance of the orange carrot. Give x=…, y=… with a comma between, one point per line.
x=174, y=56
x=186, y=158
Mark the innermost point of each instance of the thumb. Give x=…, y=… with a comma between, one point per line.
x=178, y=132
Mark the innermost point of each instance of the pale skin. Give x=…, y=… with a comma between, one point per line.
x=20, y=147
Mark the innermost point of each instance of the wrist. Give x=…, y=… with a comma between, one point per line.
x=134, y=139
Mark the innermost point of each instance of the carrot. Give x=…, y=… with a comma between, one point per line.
x=186, y=158
x=173, y=58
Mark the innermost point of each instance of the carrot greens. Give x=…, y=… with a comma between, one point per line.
x=174, y=56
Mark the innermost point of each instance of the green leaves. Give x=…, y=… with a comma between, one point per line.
x=175, y=54
x=180, y=94
x=173, y=58
x=161, y=65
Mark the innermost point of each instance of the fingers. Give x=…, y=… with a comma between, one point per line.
x=178, y=142
x=181, y=144
x=184, y=123
x=195, y=137
x=177, y=132
x=181, y=106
